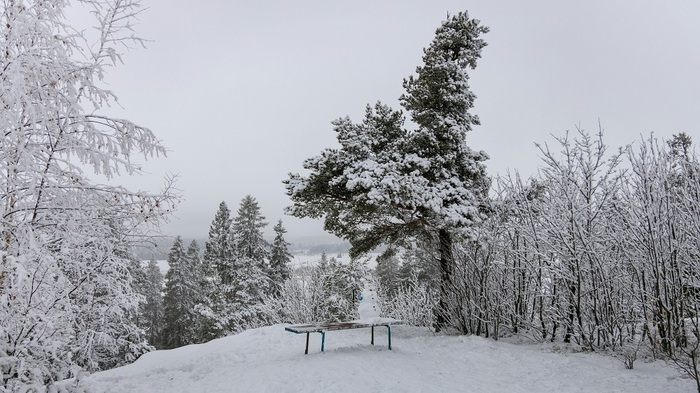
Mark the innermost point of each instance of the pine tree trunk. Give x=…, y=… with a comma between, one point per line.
x=446, y=265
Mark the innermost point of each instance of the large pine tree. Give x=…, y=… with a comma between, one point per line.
x=388, y=184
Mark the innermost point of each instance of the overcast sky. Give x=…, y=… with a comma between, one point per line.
x=242, y=92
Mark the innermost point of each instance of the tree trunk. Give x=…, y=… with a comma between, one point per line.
x=446, y=267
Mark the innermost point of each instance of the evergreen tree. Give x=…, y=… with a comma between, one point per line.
x=217, y=274
x=181, y=290
x=390, y=185
x=199, y=295
x=420, y=263
x=148, y=283
x=235, y=264
x=249, y=300
x=247, y=229
x=139, y=282
x=680, y=145
x=387, y=274
x=279, y=260
x=193, y=259
x=251, y=251
x=152, y=308
x=251, y=280
x=218, y=250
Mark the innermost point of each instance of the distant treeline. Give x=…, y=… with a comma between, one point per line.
x=158, y=248
x=329, y=248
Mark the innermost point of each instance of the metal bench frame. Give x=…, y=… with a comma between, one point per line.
x=326, y=327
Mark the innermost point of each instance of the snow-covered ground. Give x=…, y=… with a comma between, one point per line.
x=272, y=360
x=368, y=305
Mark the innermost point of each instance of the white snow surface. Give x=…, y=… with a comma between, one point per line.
x=272, y=360
x=368, y=308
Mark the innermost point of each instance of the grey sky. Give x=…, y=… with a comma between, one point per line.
x=243, y=91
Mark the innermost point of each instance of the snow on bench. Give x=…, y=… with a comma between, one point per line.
x=324, y=327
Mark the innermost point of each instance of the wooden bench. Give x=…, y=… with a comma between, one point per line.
x=324, y=327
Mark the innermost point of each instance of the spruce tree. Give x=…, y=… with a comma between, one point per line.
x=218, y=250
x=181, y=290
x=251, y=283
x=387, y=274
x=279, y=260
x=217, y=274
x=387, y=184
x=198, y=293
x=147, y=281
x=250, y=248
x=247, y=229
x=139, y=283
x=152, y=308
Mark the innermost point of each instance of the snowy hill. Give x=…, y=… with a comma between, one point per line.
x=272, y=360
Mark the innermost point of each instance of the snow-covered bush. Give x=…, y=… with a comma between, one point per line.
x=322, y=293
x=412, y=302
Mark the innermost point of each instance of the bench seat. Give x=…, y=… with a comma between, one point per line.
x=323, y=327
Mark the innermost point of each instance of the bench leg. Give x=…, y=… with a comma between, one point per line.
x=388, y=328
x=323, y=340
x=372, y=335
x=306, y=352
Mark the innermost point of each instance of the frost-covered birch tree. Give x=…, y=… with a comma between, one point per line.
x=582, y=184
x=662, y=239
x=388, y=184
x=66, y=300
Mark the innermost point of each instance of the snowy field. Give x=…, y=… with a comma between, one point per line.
x=272, y=360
